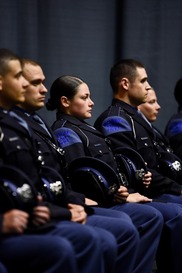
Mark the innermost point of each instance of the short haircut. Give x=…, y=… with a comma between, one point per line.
x=124, y=68
x=6, y=56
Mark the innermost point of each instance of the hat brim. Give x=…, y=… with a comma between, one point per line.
x=16, y=189
x=94, y=178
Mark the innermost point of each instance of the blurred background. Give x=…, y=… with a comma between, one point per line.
x=85, y=38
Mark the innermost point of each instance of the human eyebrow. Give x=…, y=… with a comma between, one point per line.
x=36, y=82
x=152, y=101
x=19, y=74
x=144, y=80
x=85, y=96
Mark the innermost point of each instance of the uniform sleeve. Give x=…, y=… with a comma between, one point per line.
x=174, y=134
x=162, y=184
x=70, y=142
x=119, y=131
x=58, y=212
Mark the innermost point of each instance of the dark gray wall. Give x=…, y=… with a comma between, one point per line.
x=85, y=38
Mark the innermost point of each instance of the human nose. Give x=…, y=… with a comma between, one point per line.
x=25, y=83
x=43, y=88
x=158, y=106
x=148, y=86
x=91, y=102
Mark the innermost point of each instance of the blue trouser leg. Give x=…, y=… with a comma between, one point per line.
x=69, y=247
x=169, y=198
x=149, y=223
x=169, y=255
x=121, y=226
x=91, y=246
x=38, y=254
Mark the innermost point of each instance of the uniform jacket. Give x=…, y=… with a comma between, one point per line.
x=46, y=141
x=173, y=131
x=53, y=154
x=20, y=149
x=78, y=139
x=124, y=126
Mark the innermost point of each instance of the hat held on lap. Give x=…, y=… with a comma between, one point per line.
x=94, y=178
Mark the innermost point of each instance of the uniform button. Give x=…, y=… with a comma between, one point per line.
x=100, y=152
x=18, y=147
x=146, y=144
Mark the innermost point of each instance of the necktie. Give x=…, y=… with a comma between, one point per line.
x=41, y=123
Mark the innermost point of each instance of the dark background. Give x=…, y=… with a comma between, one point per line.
x=85, y=37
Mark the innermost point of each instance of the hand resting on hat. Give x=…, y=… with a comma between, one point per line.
x=147, y=179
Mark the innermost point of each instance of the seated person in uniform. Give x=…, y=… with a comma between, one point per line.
x=48, y=235
x=170, y=163
x=70, y=96
x=173, y=130
x=114, y=221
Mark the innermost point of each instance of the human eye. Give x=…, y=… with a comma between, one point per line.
x=18, y=75
x=85, y=97
x=144, y=80
x=36, y=82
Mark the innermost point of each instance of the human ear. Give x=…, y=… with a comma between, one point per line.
x=124, y=83
x=64, y=101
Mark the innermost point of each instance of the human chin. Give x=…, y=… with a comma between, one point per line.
x=87, y=115
x=21, y=98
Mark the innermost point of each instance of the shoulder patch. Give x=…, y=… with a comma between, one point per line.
x=115, y=124
x=174, y=128
x=66, y=137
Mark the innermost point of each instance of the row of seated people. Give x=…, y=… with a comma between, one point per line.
x=70, y=96
x=45, y=226
x=145, y=201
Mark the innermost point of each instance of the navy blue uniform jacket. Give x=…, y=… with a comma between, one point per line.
x=124, y=126
x=173, y=131
x=20, y=149
x=78, y=139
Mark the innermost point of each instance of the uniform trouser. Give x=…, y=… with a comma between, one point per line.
x=126, y=234
x=69, y=247
x=169, y=255
x=149, y=223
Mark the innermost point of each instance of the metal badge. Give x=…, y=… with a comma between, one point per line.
x=139, y=174
x=56, y=187
x=176, y=165
x=25, y=192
